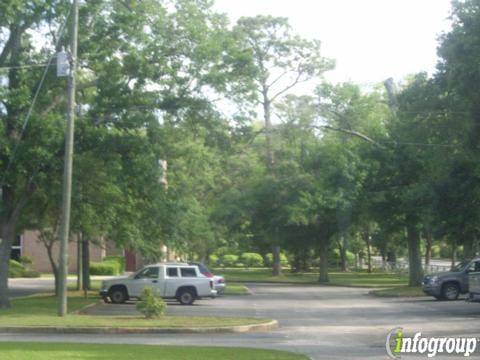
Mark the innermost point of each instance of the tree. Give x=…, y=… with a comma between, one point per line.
x=142, y=65
x=282, y=61
x=24, y=155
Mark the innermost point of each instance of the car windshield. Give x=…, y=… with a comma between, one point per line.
x=460, y=266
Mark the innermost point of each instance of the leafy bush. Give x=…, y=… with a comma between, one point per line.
x=269, y=260
x=350, y=257
x=230, y=260
x=120, y=260
x=239, y=265
x=436, y=251
x=104, y=268
x=30, y=273
x=26, y=261
x=251, y=259
x=151, y=305
x=17, y=270
x=213, y=260
x=446, y=251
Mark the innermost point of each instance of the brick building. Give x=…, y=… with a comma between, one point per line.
x=28, y=244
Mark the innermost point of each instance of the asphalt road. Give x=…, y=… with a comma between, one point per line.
x=28, y=286
x=23, y=286
x=322, y=322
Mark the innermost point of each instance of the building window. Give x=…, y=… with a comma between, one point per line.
x=17, y=248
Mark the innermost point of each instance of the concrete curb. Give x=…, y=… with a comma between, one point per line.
x=263, y=327
x=83, y=310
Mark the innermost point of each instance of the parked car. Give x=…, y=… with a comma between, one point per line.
x=218, y=280
x=182, y=282
x=449, y=285
x=474, y=283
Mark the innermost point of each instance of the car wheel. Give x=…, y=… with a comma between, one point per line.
x=118, y=295
x=450, y=291
x=186, y=297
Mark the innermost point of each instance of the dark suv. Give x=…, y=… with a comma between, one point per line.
x=449, y=285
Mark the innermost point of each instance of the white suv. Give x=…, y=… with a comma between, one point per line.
x=170, y=280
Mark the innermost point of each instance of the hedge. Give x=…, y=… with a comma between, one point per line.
x=104, y=268
x=269, y=260
x=120, y=260
x=251, y=259
x=229, y=260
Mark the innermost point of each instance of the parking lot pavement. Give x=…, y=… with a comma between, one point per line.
x=324, y=322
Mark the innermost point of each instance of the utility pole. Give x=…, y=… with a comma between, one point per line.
x=67, y=174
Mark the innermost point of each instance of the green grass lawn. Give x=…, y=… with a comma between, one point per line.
x=57, y=351
x=42, y=311
x=359, y=278
x=94, y=285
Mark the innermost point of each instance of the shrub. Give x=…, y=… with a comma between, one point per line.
x=269, y=260
x=251, y=259
x=350, y=257
x=17, y=270
x=104, y=268
x=229, y=259
x=239, y=265
x=213, y=260
x=151, y=305
x=26, y=261
x=119, y=260
x=446, y=251
x=30, y=273
x=436, y=251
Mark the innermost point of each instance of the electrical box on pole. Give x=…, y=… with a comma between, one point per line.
x=63, y=64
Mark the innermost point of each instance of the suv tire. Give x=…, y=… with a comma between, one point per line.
x=186, y=297
x=450, y=291
x=118, y=295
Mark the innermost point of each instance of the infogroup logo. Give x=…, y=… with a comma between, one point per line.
x=397, y=344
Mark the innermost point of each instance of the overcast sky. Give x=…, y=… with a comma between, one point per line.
x=370, y=40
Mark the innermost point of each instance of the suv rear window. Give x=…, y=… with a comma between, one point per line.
x=188, y=272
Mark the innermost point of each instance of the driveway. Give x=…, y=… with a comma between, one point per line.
x=320, y=321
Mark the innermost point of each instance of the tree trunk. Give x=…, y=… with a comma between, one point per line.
x=366, y=238
x=86, y=264
x=454, y=253
x=79, y=262
x=53, y=264
x=475, y=247
x=276, y=265
x=342, y=249
x=383, y=253
x=414, y=258
x=323, y=269
x=8, y=237
x=468, y=245
x=297, y=261
x=428, y=247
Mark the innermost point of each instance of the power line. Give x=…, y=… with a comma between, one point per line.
x=26, y=66
x=34, y=100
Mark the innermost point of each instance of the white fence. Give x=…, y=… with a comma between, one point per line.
x=401, y=266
